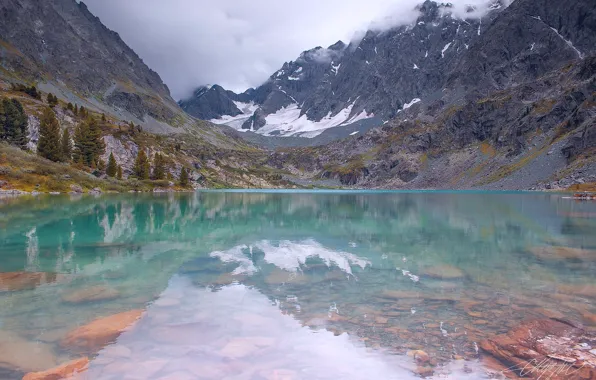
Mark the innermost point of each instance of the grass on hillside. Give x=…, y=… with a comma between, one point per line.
x=28, y=172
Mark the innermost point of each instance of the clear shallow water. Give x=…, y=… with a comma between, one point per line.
x=282, y=285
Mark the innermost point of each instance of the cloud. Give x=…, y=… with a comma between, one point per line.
x=237, y=43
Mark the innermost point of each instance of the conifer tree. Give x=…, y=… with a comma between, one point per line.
x=52, y=100
x=76, y=109
x=103, y=118
x=112, y=169
x=13, y=123
x=69, y=106
x=48, y=145
x=83, y=111
x=141, y=167
x=119, y=173
x=66, y=145
x=183, y=177
x=88, y=143
x=159, y=167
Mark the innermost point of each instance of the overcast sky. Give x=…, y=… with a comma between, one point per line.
x=238, y=43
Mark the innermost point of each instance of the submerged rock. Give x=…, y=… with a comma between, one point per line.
x=14, y=281
x=445, y=272
x=92, y=294
x=94, y=336
x=563, y=253
x=546, y=348
x=18, y=353
x=65, y=371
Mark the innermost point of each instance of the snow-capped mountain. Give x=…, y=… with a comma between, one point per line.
x=376, y=77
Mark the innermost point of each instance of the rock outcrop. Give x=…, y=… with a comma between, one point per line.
x=549, y=348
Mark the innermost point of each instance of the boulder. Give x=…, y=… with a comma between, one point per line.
x=97, y=334
x=76, y=189
x=546, y=348
x=65, y=371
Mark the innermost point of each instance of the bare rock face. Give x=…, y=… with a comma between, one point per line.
x=547, y=348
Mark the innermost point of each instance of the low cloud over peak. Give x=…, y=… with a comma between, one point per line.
x=238, y=44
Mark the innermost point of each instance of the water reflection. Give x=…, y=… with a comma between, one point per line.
x=251, y=285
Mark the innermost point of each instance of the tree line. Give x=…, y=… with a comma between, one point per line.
x=84, y=148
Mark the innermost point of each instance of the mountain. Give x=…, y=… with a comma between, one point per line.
x=373, y=78
x=516, y=110
x=60, y=47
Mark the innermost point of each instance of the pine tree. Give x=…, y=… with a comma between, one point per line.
x=103, y=118
x=48, y=145
x=66, y=145
x=76, y=109
x=119, y=173
x=69, y=106
x=159, y=167
x=83, y=111
x=112, y=169
x=13, y=123
x=89, y=145
x=52, y=100
x=142, y=167
x=183, y=177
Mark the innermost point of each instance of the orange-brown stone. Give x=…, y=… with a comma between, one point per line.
x=64, y=371
x=92, y=294
x=14, y=281
x=94, y=336
x=445, y=272
x=563, y=253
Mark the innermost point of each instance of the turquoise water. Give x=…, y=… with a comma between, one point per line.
x=287, y=285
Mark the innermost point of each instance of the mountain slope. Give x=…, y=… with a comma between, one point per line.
x=62, y=48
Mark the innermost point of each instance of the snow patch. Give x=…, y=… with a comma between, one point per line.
x=445, y=49
x=416, y=67
x=361, y=116
x=247, y=109
x=335, y=69
x=411, y=103
x=532, y=47
x=289, y=122
x=354, y=133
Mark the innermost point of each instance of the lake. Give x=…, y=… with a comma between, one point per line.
x=285, y=285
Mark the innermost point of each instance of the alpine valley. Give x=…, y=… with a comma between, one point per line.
x=501, y=96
